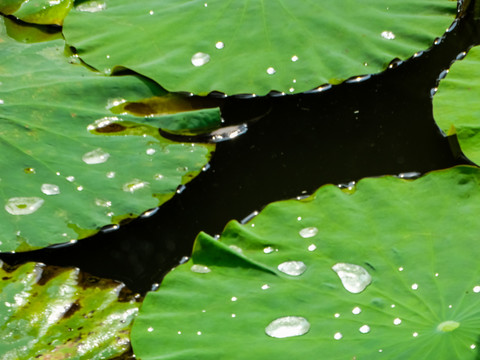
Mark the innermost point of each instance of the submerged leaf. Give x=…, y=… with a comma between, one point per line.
x=48, y=312
x=456, y=103
x=254, y=46
x=410, y=247
x=69, y=165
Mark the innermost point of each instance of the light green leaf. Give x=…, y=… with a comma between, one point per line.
x=253, y=46
x=409, y=246
x=69, y=165
x=37, y=11
x=456, y=107
x=48, y=312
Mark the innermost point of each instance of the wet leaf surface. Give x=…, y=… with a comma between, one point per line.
x=387, y=269
x=253, y=47
x=48, y=312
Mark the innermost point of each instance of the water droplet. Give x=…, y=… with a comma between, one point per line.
x=294, y=58
x=397, y=321
x=448, y=326
x=476, y=289
x=450, y=306
x=299, y=218
x=91, y=6
x=50, y=189
x=183, y=260
x=234, y=298
x=249, y=217
x=110, y=174
x=155, y=286
x=158, y=176
x=364, y=329
x=337, y=336
x=461, y=55
x=312, y=247
x=265, y=287
x=150, y=151
x=473, y=346
x=150, y=212
x=151, y=12
x=219, y=45
x=287, y=326
x=392, y=306
x=308, y=232
x=200, y=59
x=80, y=188
x=29, y=170
x=436, y=274
x=180, y=189
x=291, y=89
x=336, y=315
x=199, y=333
x=400, y=268
x=1, y=102
x=103, y=203
x=388, y=35
x=182, y=169
x=414, y=286
x=103, y=122
x=108, y=56
x=96, y=156
x=292, y=268
x=228, y=133
x=356, y=310
x=201, y=269
x=23, y=205
x=150, y=329
x=268, y=250
x=236, y=248
x=415, y=334
x=70, y=178
x=271, y=71
x=354, y=277
x=134, y=185
x=233, y=315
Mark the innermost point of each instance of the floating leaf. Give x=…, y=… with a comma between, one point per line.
x=254, y=46
x=410, y=247
x=456, y=103
x=37, y=11
x=68, y=163
x=48, y=312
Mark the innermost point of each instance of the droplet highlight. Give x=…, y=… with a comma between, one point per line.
x=200, y=269
x=388, y=35
x=354, y=277
x=338, y=336
x=97, y=156
x=288, y=326
x=292, y=268
x=50, y=189
x=23, y=205
x=364, y=329
x=219, y=45
x=308, y=232
x=271, y=71
x=134, y=185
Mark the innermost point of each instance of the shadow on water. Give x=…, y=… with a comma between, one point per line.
x=382, y=125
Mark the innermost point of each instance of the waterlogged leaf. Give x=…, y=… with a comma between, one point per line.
x=456, y=107
x=388, y=270
x=68, y=163
x=37, y=11
x=48, y=312
x=253, y=46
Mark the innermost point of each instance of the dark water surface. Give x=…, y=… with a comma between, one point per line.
x=294, y=145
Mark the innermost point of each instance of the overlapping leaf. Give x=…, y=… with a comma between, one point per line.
x=417, y=240
x=68, y=163
x=253, y=46
x=456, y=103
x=37, y=11
x=53, y=313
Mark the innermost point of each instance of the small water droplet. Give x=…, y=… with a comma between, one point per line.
x=271, y=71
x=364, y=329
x=338, y=336
x=450, y=306
x=308, y=232
x=473, y=346
x=102, y=123
x=400, y=268
x=268, y=250
x=312, y=247
x=158, y=176
x=292, y=268
x=476, y=289
x=233, y=315
x=461, y=55
x=436, y=274
x=219, y=45
x=199, y=333
x=228, y=133
x=388, y=35
x=150, y=151
x=265, y=287
x=50, y=189
x=287, y=326
x=299, y=218
x=179, y=332
x=234, y=298
x=336, y=315
x=134, y=185
x=91, y=6
x=183, y=260
x=108, y=56
x=356, y=310
x=150, y=329
x=23, y=205
x=29, y=170
x=110, y=174
x=294, y=58
x=415, y=334
x=70, y=178
x=155, y=286
x=96, y=156
x=414, y=286
x=80, y=188
x=354, y=277
x=291, y=89
x=1, y=102
x=201, y=269
x=236, y=248
x=397, y=321
x=151, y=12
x=182, y=169
x=392, y=306
x=200, y=59
x=103, y=203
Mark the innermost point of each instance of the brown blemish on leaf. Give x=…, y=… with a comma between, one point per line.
x=49, y=272
x=72, y=310
x=111, y=128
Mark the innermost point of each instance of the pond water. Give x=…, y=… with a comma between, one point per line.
x=293, y=144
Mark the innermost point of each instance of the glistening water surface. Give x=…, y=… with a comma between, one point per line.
x=293, y=144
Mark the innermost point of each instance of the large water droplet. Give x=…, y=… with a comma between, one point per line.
x=287, y=326
x=50, y=189
x=364, y=329
x=219, y=45
x=96, y=156
x=102, y=123
x=271, y=71
x=337, y=336
x=228, y=133
x=448, y=326
x=23, y=205
x=354, y=277
x=91, y=6
x=201, y=269
x=388, y=35
x=200, y=59
x=293, y=268
x=308, y=232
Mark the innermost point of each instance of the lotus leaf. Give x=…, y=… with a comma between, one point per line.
x=48, y=312
x=386, y=270
x=68, y=162
x=253, y=46
x=456, y=103
x=37, y=11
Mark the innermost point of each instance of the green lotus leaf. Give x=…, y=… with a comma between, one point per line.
x=388, y=270
x=253, y=46
x=456, y=107
x=37, y=11
x=69, y=165
x=48, y=312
